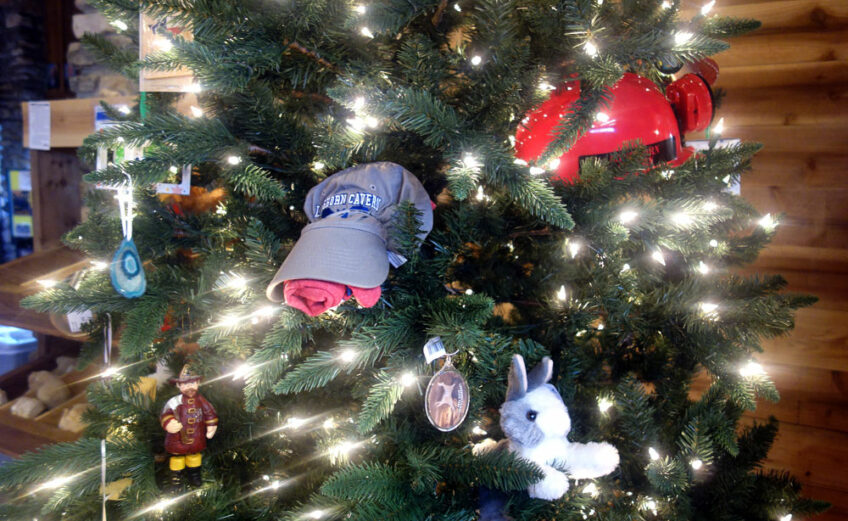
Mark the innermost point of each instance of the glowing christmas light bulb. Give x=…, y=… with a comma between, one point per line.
x=682, y=219
x=590, y=48
x=602, y=117
x=242, y=371
x=627, y=216
x=295, y=423
x=767, y=222
x=553, y=164
x=626, y=267
x=265, y=311
x=520, y=162
x=315, y=514
x=360, y=9
x=787, y=517
x=48, y=283
x=703, y=269
x=348, y=355
x=457, y=8
x=318, y=166
x=366, y=32
x=545, y=86
x=470, y=161
x=652, y=452
x=233, y=160
x=407, y=379
x=682, y=37
x=358, y=103
x=476, y=60
x=329, y=424
x=591, y=489
x=110, y=372
x=706, y=8
x=194, y=87
x=604, y=404
x=666, y=4
x=708, y=308
x=718, y=128
x=162, y=505
x=237, y=282
x=752, y=369
x=535, y=170
x=124, y=109
x=714, y=243
x=710, y=206
x=120, y=25
x=173, y=169
x=196, y=111
x=478, y=431
x=469, y=291
x=342, y=449
x=560, y=294
x=696, y=464
x=56, y=482
x=480, y=194
x=574, y=248
x=658, y=256
x=99, y=265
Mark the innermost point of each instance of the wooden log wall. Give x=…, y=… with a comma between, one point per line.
x=787, y=87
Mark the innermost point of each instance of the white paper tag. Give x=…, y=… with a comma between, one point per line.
x=434, y=349
x=76, y=319
x=396, y=259
x=24, y=183
x=39, y=125
x=734, y=187
x=181, y=188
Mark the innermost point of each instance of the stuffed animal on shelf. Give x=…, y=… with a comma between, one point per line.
x=536, y=423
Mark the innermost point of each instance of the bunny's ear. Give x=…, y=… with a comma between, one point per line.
x=541, y=374
x=517, y=387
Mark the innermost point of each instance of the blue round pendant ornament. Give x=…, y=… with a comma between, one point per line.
x=126, y=271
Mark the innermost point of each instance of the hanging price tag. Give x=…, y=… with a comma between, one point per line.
x=434, y=349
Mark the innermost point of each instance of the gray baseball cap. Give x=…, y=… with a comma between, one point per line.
x=348, y=239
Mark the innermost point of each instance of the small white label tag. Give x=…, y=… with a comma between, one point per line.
x=396, y=259
x=39, y=125
x=76, y=319
x=434, y=349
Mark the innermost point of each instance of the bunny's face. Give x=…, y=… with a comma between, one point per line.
x=533, y=410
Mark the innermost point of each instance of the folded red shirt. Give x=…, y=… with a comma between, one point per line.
x=314, y=297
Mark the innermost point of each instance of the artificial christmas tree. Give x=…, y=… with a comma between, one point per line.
x=622, y=277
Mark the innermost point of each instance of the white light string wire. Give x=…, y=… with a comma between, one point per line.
x=107, y=364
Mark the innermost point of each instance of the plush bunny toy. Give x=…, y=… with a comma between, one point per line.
x=536, y=421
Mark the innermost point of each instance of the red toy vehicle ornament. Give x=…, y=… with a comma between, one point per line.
x=638, y=111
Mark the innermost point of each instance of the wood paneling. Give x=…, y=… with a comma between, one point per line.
x=790, y=14
x=825, y=106
x=780, y=48
x=787, y=87
x=804, y=75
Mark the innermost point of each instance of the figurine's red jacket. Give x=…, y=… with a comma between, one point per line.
x=195, y=414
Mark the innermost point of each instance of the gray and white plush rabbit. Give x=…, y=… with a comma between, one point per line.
x=536, y=422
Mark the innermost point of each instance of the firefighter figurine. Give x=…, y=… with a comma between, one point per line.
x=188, y=420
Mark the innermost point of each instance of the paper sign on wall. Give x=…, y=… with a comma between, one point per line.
x=39, y=125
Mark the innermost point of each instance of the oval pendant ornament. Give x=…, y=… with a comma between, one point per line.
x=446, y=399
x=126, y=271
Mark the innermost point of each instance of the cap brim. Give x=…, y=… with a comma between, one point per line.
x=335, y=254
